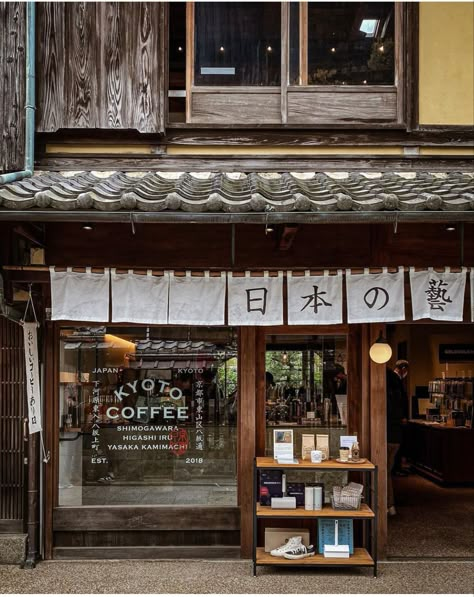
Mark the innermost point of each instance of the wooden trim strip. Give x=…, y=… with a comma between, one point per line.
x=189, y=59
x=147, y=552
x=303, y=28
x=285, y=50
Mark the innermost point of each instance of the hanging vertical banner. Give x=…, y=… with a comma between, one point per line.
x=140, y=299
x=30, y=336
x=79, y=296
x=314, y=299
x=375, y=297
x=255, y=300
x=197, y=300
x=438, y=296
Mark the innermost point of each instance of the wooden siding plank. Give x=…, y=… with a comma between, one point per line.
x=143, y=42
x=12, y=89
x=113, y=71
x=222, y=108
x=135, y=518
x=81, y=73
x=314, y=107
x=50, y=67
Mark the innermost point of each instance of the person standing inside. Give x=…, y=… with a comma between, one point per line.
x=396, y=417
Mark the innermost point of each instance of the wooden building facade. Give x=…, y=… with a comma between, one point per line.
x=155, y=151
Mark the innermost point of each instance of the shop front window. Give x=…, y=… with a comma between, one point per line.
x=148, y=416
x=306, y=391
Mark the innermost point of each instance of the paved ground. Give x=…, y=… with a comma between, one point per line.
x=232, y=577
x=432, y=521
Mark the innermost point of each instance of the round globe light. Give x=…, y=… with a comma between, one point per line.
x=380, y=352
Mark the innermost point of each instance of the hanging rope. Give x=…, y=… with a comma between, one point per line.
x=30, y=302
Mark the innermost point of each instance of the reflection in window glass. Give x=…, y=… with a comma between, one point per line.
x=350, y=43
x=237, y=43
x=306, y=388
x=148, y=416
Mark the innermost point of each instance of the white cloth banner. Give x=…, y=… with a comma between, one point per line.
x=30, y=336
x=140, y=299
x=255, y=300
x=436, y=295
x=472, y=293
x=197, y=300
x=375, y=297
x=79, y=296
x=314, y=299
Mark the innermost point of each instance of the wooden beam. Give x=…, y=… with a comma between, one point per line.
x=260, y=384
x=378, y=439
x=247, y=431
x=189, y=58
x=303, y=27
x=285, y=52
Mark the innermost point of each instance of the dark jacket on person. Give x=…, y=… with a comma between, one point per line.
x=396, y=407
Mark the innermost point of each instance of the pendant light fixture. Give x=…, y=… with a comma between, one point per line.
x=380, y=351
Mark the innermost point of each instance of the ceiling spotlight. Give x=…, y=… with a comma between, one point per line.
x=180, y=49
x=333, y=49
x=381, y=48
x=269, y=48
x=269, y=229
x=87, y=227
x=221, y=49
x=450, y=228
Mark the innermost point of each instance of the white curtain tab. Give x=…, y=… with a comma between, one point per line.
x=375, y=297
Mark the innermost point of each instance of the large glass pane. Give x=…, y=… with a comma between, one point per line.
x=350, y=43
x=306, y=388
x=148, y=416
x=237, y=43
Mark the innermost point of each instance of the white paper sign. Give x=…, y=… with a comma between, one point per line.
x=140, y=299
x=30, y=336
x=283, y=444
x=255, y=300
x=79, y=296
x=197, y=300
x=375, y=297
x=438, y=296
x=472, y=293
x=314, y=300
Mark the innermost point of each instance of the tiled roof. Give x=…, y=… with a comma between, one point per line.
x=239, y=192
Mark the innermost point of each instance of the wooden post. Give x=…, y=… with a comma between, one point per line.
x=260, y=389
x=247, y=428
x=378, y=439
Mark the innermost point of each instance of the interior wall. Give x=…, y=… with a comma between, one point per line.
x=423, y=342
x=446, y=63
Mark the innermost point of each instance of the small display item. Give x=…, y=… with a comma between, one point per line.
x=308, y=497
x=316, y=456
x=283, y=444
x=327, y=533
x=297, y=490
x=343, y=454
x=307, y=445
x=284, y=503
x=322, y=443
x=271, y=485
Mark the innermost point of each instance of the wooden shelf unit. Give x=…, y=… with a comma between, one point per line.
x=363, y=556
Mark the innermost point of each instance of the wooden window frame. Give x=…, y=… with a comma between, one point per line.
x=303, y=105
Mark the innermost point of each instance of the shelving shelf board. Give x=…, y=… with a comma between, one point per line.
x=360, y=557
x=328, y=465
x=327, y=512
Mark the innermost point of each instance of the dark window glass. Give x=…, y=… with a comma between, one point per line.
x=237, y=43
x=147, y=416
x=351, y=43
x=177, y=61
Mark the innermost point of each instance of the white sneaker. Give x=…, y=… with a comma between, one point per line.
x=290, y=545
x=300, y=552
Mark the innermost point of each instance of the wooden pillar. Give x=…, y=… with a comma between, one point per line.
x=378, y=438
x=247, y=433
x=260, y=383
x=354, y=382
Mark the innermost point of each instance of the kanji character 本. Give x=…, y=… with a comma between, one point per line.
x=436, y=295
x=315, y=300
x=376, y=295
x=260, y=297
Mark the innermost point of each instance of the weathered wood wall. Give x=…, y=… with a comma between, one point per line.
x=12, y=85
x=100, y=65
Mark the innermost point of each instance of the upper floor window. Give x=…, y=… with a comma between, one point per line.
x=237, y=43
x=342, y=43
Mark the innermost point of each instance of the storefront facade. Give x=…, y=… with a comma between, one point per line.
x=152, y=428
